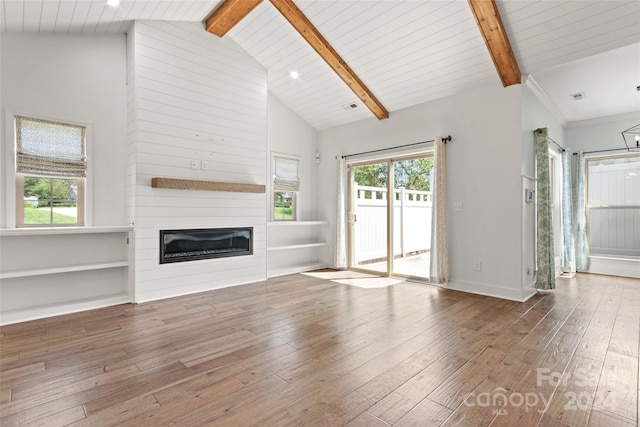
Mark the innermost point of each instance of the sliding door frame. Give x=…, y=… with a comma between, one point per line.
x=390, y=212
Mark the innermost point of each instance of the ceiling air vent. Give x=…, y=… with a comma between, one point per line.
x=350, y=106
x=577, y=96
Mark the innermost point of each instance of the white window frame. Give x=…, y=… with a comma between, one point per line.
x=588, y=207
x=12, y=178
x=295, y=202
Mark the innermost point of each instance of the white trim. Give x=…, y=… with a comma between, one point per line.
x=295, y=269
x=519, y=295
x=542, y=96
x=10, y=170
x=614, y=266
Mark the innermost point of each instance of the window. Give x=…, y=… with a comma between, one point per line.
x=613, y=205
x=286, y=184
x=50, y=173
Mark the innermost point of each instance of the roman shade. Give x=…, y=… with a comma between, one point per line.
x=50, y=149
x=286, y=174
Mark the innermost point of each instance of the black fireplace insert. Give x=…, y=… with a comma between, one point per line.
x=204, y=243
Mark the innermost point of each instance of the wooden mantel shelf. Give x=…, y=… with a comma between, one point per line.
x=201, y=185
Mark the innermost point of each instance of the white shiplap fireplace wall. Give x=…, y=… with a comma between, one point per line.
x=193, y=96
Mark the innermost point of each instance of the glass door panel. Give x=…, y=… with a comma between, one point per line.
x=412, y=211
x=368, y=217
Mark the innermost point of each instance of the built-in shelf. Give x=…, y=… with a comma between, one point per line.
x=301, y=246
x=58, y=270
x=295, y=223
x=202, y=185
x=47, y=271
x=295, y=247
x=40, y=231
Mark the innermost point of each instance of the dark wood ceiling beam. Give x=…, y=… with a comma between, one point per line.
x=228, y=14
x=306, y=29
x=495, y=37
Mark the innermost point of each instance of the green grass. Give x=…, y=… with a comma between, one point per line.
x=42, y=216
x=282, y=213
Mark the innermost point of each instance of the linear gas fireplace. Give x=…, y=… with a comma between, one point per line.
x=195, y=244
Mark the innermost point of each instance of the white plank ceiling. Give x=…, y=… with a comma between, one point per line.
x=406, y=51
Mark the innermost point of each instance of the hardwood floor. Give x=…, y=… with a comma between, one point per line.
x=305, y=350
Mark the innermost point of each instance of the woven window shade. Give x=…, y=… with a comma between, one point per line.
x=50, y=148
x=286, y=174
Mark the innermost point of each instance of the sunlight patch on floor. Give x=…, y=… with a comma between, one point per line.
x=354, y=278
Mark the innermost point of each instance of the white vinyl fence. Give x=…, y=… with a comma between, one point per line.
x=614, y=213
x=412, y=222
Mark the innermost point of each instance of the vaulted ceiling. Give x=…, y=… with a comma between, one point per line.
x=405, y=51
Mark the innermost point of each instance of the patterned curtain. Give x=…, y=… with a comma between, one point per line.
x=582, y=245
x=340, y=249
x=545, y=278
x=439, y=263
x=568, y=243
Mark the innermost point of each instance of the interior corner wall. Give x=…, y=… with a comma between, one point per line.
x=77, y=78
x=484, y=174
x=289, y=134
x=196, y=97
x=534, y=115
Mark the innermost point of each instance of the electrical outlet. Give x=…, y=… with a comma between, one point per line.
x=205, y=165
x=477, y=265
x=457, y=207
x=194, y=164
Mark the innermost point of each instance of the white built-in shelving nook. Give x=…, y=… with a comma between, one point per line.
x=295, y=246
x=50, y=271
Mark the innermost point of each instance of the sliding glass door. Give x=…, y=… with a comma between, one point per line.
x=390, y=216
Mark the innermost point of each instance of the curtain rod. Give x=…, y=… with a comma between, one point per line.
x=604, y=151
x=557, y=145
x=445, y=139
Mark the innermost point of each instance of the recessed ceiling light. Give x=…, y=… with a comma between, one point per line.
x=578, y=96
x=294, y=75
x=113, y=3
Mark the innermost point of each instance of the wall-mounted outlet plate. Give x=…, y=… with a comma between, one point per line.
x=477, y=265
x=457, y=207
x=205, y=165
x=194, y=164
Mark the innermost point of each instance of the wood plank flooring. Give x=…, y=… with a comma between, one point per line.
x=306, y=350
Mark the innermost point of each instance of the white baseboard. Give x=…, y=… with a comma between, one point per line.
x=9, y=317
x=625, y=267
x=519, y=295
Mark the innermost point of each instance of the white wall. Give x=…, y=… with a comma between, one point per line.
x=194, y=96
x=484, y=174
x=79, y=78
x=288, y=134
x=599, y=134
